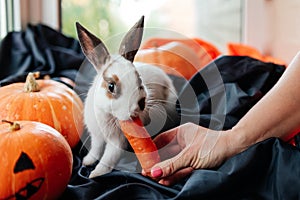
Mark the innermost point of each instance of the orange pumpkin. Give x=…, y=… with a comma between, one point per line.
x=205, y=51
x=46, y=101
x=174, y=58
x=203, y=48
x=36, y=161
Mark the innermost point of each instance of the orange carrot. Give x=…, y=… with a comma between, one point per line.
x=141, y=143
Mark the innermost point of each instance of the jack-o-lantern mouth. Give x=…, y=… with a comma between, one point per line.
x=30, y=189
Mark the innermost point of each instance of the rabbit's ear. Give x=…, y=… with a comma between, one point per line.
x=92, y=47
x=132, y=40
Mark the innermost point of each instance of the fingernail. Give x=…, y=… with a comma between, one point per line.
x=156, y=172
x=143, y=172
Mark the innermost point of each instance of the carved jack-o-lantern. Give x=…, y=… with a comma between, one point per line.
x=36, y=161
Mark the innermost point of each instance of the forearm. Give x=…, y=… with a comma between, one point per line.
x=277, y=114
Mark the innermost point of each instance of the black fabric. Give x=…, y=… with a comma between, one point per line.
x=38, y=48
x=216, y=97
x=267, y=170
x=220, y=94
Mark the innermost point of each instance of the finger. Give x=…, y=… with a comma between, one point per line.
x=144, y=172
x=176, y=177
x=165, y=138
x=170, y=166
x=169, y=151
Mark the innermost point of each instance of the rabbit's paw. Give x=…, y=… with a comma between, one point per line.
x=89, y=160
x=100, y=170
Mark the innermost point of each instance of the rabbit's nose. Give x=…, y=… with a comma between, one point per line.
x=141, y=103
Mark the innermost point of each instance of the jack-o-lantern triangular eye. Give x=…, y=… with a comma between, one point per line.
x=23, y=163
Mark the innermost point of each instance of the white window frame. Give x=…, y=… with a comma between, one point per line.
x=9, y=18
x=15, y=15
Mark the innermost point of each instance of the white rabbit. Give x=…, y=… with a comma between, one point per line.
x=121, y=90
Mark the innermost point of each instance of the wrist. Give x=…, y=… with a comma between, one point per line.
x=236, y=141
x=225, y=147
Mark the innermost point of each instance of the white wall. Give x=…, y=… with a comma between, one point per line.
x=219, y=21
x=273, y=26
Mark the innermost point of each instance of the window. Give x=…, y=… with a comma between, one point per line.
x=9, y=18
x=191, y=18
x=106, y=18
x=262, y=24
x=16, y=14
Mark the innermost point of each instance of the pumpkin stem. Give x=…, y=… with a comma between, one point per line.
x=14, y=126
x=31, y=85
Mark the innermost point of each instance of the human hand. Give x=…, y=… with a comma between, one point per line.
x=186, y=148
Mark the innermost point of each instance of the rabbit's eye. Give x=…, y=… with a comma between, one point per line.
x=111, y=87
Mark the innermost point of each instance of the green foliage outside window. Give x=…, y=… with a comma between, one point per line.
x=96, y=15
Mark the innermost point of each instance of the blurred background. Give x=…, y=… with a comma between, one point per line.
x=271, y=26
x=190, y=17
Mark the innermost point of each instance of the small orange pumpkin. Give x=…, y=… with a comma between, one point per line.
x=36, y=161
x=46, y=101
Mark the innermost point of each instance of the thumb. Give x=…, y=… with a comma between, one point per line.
x=170, y=166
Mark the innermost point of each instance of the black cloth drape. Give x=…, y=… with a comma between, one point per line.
x=220, y=94
x=267, y=170
x=216, y=97
x=38, y=48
